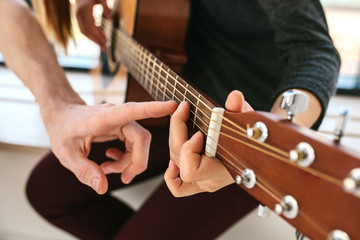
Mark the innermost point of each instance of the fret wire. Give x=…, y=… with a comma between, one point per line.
x=175, y=87
x=186, y=88
x=146, y=68
x=196, y=109
x=167, y=78
x=152, y=76
x=157, y=89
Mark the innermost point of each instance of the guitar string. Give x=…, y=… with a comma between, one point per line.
x=285, y=160
x=281, y=152
x=314, y=172
x=335, y=181
x=260, y=183
x=269, y=192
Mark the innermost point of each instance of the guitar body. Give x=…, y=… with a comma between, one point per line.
x=160, y=26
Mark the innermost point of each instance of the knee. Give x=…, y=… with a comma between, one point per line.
x=42, y=188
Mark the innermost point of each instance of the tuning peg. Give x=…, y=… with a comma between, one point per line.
x=351, y=184
x=259, y=132
x=294, y=102
x=303, y=154
x=248, y=178
x=288, y=207
x=338, y=235
x=340, y=127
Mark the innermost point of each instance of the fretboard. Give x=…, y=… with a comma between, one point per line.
x=159, y=80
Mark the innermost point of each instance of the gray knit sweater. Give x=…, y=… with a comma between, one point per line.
x=261, y=47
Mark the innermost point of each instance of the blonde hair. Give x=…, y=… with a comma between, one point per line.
x=54, y=15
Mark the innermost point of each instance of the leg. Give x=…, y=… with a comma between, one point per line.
x=61, y=199
x=202, y=216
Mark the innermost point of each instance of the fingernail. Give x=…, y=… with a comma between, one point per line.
x=128, y=179
x=195, y=135
x=96, y=184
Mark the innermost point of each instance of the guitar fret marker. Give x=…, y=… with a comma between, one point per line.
x=214, y=131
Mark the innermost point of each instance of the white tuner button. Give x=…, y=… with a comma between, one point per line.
x=247, y=178
x=288, y=207
x=351, y=184
x=259, y=132
x=303, y=154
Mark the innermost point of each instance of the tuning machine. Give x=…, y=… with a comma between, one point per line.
x=259, y=132
x=294, y=102
x=303, y=154
x=340, y=127
x=248, y=178
x=338, y=235
x=288, y=207
x=351, y=184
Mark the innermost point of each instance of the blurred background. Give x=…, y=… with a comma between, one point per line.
x=23, y=139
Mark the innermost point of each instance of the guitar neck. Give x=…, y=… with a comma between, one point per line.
x=160, y=81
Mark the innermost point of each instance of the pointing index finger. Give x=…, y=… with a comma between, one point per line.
x=132, y=111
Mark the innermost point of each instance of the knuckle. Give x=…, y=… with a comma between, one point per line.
x=82, y=173
x=146, y=135
x=141, y=166
x=208, y=186
x=176, y=193
x=173, y=120
x=186, y=176
x=185, y=150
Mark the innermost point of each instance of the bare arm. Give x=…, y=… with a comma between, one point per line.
x=71, y=125
x=30, y=56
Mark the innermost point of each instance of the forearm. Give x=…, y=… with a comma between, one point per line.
x=30, y=56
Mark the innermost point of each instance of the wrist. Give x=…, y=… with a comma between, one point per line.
x=54, y=102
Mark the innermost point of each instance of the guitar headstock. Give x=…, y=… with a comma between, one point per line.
x=309, y=180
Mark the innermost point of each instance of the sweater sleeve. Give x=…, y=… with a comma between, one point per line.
x=311, y=61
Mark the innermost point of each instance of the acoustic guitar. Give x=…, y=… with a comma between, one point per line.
x=311, y=182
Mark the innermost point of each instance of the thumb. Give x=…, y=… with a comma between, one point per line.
x=235, y=102
x=90, y=174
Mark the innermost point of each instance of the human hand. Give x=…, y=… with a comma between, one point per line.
x=198, y=173
x=84, y=16
x=75, y=127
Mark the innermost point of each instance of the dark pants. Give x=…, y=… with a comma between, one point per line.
x=60, y=198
